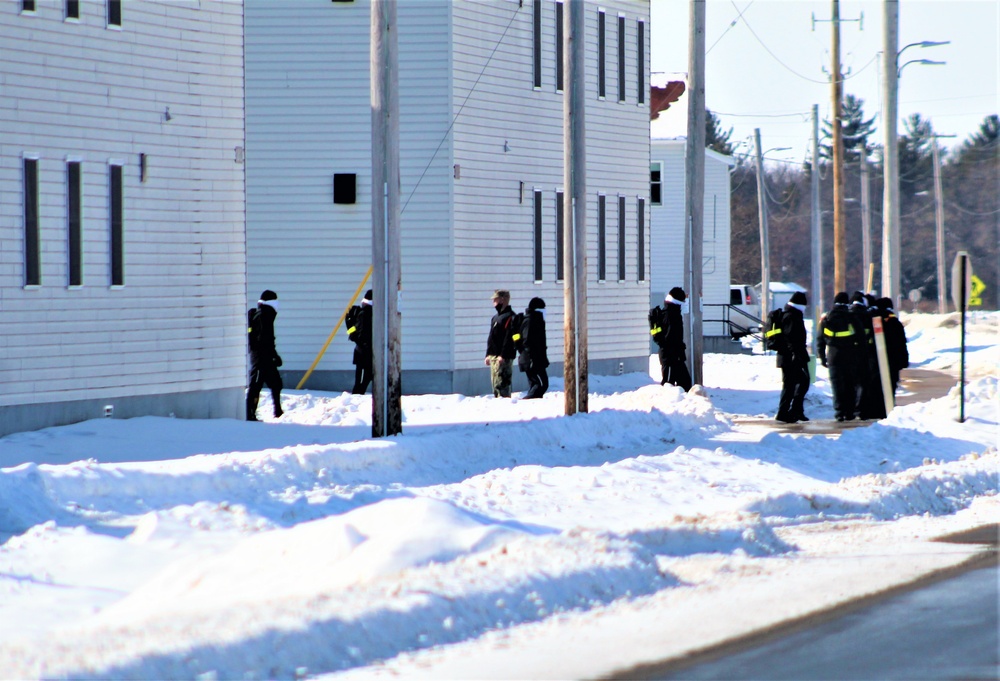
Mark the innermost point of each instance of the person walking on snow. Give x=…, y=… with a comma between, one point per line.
x=895, y=341
x=533, y=359
x=363, y=360
x=793, y=360
x=667, y=329
x=837, y=347
x=264, y=358
x=500, y=351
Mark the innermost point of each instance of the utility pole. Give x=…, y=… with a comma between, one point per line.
x=387, y=412
x=839, y=242
x=866, y=227
x=765, y=258
x=817, y=231
x=694, y=165
x=890, y=153
x=939, y=224
x=575, y=365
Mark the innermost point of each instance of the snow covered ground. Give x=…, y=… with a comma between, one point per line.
x=493, y=539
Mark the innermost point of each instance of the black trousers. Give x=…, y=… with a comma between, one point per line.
x=260, y=375
x=794, y=386
x=363, y=369
x=538, y=383
x=842, y=380
x=673, y=369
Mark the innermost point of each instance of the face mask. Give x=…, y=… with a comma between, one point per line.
x=498, y=307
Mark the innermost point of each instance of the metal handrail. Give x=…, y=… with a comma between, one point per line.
x=744, y=320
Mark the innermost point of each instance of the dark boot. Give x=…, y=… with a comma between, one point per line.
x=278, y=411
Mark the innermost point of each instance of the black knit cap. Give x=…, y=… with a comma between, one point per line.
x=859, y=297
x=884, y=303
x=368, y=294
x=268, y=295
x=799, y=298
x=677, y=293
x=841, y=298
x=536, y=304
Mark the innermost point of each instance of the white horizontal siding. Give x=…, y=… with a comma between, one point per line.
x=82, y=92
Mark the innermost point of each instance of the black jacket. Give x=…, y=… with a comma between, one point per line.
x=895, y=342
x=363, y=346
x=839, y=329
x=534, y=349
x=262, y=344
x=500, y=342
x=793, y=331
x=673, y=330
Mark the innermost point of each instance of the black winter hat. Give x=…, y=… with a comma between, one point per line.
x=368, y=294
x=884, y=303
x=841, y=298
x=536, y=304
x=268, y=295
x=677, y=293
x=799, y=298
x=859, y=297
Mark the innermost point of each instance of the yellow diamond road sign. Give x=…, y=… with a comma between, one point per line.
x=976, y=291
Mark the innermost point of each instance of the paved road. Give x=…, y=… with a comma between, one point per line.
x=946, y=628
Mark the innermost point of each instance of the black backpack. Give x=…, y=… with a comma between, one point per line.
x=353, y=322
x=516, y=325
x=657, y=316
x=774, y=339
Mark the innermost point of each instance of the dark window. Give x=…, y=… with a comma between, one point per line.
x=559, y=46
x=560, y=226
x=116, y=225
x=537, y=239
x=345, y=188
x=601, y=58
x=621, y=59
x=640, y=56
x=621, y=238
x=73, y=223
x=602, y=237
x=655, y=183
x=32, y=255
x=640, y=228
x=735, y=297
x=536, y=42
x=114, y=12
x=27, y=5
x=72, y=9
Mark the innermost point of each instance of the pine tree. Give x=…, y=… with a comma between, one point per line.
x=715, y=138
x=855, y=131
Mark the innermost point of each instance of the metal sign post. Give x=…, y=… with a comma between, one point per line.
x=961, y=277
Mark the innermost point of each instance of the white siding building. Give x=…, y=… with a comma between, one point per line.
x=122, y=260
x=667, y=228
x=481, y=167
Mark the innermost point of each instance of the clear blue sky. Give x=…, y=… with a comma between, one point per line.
x=768, y=62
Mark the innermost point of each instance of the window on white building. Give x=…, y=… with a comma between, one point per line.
x=640, y=58
x=640, y=228
x=621, y=238
x=72, y=9
x=621, y=59
x=656, y=183
x=559, y=47
x=601, y=55
x=602, y=237
x=74, y=223
x=536, y=43
x=560, y=225
x=115, y=13
x=32, y=251
x=116, y=224
x=27, y=5
x=537, y=235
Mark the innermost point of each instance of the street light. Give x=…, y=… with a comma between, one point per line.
x=929, y=62
x=890, y=159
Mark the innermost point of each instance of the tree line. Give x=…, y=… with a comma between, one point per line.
x=970, y=174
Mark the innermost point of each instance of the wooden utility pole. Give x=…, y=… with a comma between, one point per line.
x=387, y=412
x=939, y=224
x=575, y=366
x=866, y=226
x=890, y=153
x=817, y=230
x=695, y=184
x=839, y=242
x=765, y=257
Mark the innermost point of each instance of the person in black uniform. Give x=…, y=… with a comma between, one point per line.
x=793, y=360
x=667, y=329
x=264, y=358
x=837, y=347
x=895, y=341
x=871, y=404
x=533, y=359
x=363, y=360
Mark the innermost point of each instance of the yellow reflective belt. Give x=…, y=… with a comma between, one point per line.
x=351, y=330
x=516, y=337
x=772, y=332
x=654, y=331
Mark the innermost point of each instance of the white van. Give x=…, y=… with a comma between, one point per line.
x=744, y=312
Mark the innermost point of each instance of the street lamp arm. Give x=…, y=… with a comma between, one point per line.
x=922, y=43
x=929, y=62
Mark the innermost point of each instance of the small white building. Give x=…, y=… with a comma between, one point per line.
x=481, y=155
x=122, y=270
x=667, y=204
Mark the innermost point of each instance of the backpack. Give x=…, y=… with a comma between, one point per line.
x=516, y=325
x=353, y=322
x=774, y=339
x=254, y=328
x=657, y=316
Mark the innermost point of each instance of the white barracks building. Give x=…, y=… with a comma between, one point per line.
x=481, y=128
